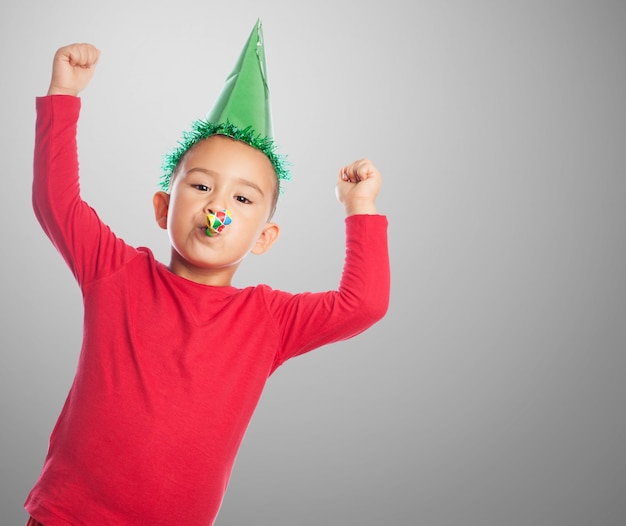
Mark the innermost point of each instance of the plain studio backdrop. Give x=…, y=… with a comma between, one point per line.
x=493, y=392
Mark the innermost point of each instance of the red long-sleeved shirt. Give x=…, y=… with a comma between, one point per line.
x=170, y=370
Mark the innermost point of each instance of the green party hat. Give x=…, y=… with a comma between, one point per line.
x=242, y=111
x=244, y=100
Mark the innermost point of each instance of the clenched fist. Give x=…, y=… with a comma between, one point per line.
x=357, y=187
x=72, y=69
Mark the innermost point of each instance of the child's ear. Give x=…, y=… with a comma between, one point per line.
x=161, y=203
x=270, y=234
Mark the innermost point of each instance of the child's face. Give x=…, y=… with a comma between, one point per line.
x=215, y=174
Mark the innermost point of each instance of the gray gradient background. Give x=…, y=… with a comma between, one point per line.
x=493, y=392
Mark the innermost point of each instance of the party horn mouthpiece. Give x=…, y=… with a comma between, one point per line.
x=218, y=221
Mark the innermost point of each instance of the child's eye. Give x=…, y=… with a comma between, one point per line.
x=243, y=199
x=201, y=187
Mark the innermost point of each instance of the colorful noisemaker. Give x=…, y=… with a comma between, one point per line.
x=218, y=221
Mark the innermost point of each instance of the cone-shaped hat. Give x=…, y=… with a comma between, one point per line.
x=242, y=111
x=245, y=100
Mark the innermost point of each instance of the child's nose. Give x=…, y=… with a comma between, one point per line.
x=213, y=206
x=215, y=200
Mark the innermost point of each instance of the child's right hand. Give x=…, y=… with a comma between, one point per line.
x=72, y=69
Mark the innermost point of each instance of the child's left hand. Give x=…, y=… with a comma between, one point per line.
x=357, y=187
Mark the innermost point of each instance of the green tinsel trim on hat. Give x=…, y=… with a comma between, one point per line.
x=202, y=129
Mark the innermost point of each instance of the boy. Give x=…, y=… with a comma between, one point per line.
x=174, y=358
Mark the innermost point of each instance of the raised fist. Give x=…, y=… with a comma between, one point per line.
x=72, y=69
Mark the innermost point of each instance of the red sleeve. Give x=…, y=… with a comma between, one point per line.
x=87, y=245
x=310, y=320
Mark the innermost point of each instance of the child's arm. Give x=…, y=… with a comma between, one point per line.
x=311, y=320
x=358, y=186
x=86, y=243
x=72, y=69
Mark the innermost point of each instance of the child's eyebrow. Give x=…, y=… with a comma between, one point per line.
x=202, y=170
x=238, y=180
x=251, y=184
